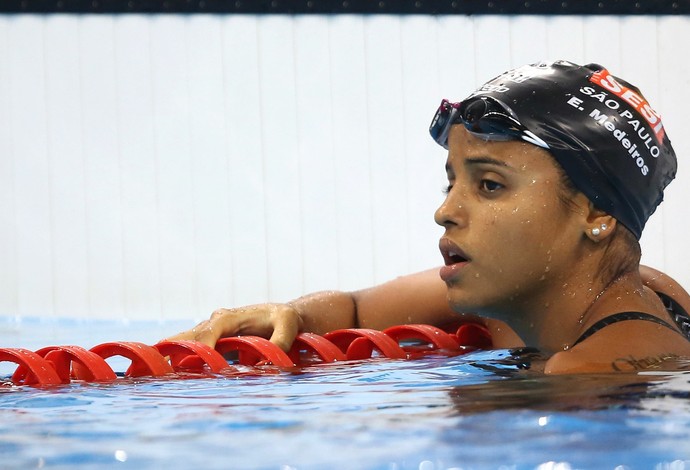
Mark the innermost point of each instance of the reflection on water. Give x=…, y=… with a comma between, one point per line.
x=528, y=389
x=554, y=393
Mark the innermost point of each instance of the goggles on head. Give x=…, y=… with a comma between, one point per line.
x=483, y=116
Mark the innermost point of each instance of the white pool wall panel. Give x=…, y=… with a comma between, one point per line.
x=158, y=167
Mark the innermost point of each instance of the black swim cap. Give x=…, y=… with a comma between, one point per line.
x=599, y=128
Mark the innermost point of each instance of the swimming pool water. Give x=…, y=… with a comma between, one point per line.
x=477, y=411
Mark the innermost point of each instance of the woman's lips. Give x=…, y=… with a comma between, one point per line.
x=454, y=259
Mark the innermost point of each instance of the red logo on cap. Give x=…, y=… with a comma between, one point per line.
x=605, y=80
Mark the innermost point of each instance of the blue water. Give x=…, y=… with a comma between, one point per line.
x=477, y=411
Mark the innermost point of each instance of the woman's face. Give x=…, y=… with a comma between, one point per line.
x=509, y=240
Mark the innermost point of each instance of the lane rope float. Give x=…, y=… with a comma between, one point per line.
x=168, y=359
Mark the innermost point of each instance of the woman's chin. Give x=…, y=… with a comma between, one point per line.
x=464, y=303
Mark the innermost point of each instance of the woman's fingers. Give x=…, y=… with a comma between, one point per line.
x=286, y=326
x=279, y=322
x=207, y=332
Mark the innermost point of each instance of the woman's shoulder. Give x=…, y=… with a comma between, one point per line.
x=626, y=346
x=648, y=330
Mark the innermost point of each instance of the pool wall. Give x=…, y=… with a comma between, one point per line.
x=156, y=167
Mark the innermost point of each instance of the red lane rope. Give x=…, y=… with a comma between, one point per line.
x=359, y=343
x=40, y=371
x=54, y=365
x=204, y=355
x=309, y=344
x=253, y=350
x=146, y=360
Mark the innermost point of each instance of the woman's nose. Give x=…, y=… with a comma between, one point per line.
x=452, y=211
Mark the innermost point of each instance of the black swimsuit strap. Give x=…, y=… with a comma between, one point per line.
x=677, y=313
x=617, y=317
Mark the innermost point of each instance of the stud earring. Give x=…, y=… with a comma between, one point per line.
x=604, y=227
x=596, y=232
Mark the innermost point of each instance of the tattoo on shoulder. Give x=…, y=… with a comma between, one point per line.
x=632, y=363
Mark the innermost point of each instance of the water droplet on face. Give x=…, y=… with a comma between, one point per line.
x=515, y=210
x=476, y=275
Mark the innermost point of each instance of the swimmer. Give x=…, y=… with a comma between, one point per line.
x=553, y=170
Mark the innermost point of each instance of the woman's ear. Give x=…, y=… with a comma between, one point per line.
x=599, y=225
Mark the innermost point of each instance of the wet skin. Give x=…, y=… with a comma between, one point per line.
x=513, y=249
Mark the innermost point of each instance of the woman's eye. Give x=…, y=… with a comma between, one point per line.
x=447, y=189
x=490, y=186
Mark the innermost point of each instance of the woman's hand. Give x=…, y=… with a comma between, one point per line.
x=278, y=322
x=415, y=298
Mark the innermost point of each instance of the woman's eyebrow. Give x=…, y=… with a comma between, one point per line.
x=487, y=161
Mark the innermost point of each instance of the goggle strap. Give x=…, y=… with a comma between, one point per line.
x=442, y=138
